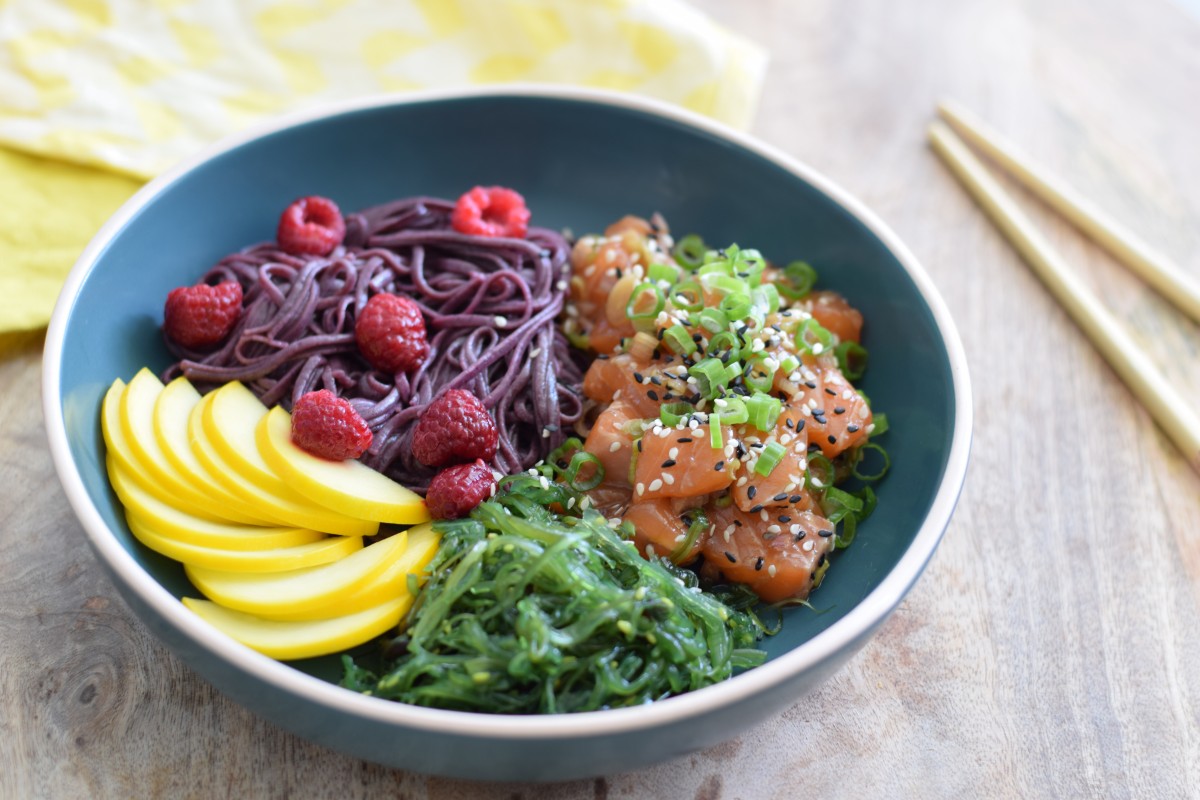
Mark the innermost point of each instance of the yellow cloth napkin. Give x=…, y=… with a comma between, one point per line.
x=97, y=95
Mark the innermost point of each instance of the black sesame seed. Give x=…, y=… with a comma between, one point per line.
x=602, y=357
x=683, y=439
x=758, y=564
x=799, y=425
x=639, y=445
x=618, y=271
x=657, y=354
x=796, y=498
x=737, y=522
x=653, y=395
x=830, y=392
x=801, y=535
x=720, y=465
x=732, y=558
x=756, y=508
x=697, y=338
x=658, y=381
x=810, y=384
x=839, y=410
x=637, y=376
x=753, y=490
x=825, y=533
x=784, y=518
x=788, y=422
x=852, y=428
x=832, y=439
x=670, y=462
x=779, y=497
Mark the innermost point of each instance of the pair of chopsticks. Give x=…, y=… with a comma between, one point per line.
x=1179, y=421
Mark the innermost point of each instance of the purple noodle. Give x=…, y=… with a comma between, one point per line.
x=490, y=307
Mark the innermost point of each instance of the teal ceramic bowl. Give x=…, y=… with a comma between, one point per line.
x=582, y=159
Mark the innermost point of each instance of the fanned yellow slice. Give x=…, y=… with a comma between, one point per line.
x=348, y=486
x=120, y=450
x=230, y=420
x=278, y=559
x=305, y=639
x=137, y=424
x=168, y=521
x=279, y=502
x=359, y=581
x=171, y=412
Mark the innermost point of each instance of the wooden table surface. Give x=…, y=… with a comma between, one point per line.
x=1052, y=648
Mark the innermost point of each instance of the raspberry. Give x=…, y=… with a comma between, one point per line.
x=491, y=211
x=311, y=226
x=456, y=490
x=328, y=426
x=200, y=316
x=455, y=427
x=390, y=332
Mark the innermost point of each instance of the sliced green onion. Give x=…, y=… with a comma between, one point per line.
x=714, y=436
x=688, y=295
x=636, y=308
x=769, y=458
x=750, y=266
x=579, y=340
x=766, y=297
x=725, y=341
x=798, y=280
x=789, y=364
x=679, y=340
x=672, y=414
x=880, y=421
x=662, y=271
x=818, y=463
x=715, y=267
x=736, y=306
x=733, y=410
x=690, y=250
x=811, y=337
x=763, y=410
x=759, y=376
x=578, y=462
x=558, y=456
x=859, y=454
x=712, y=320
x=711, y=376
x=852, y=359
x=724, y=285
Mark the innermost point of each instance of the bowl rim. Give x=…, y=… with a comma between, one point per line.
x=859, y=621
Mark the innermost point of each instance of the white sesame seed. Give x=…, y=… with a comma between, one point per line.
x=544, y=482
x=871, y=428
x=614, y=447
x=729, y=531
x=741, y=481
x=570, y=502
x=764, y=515
x=561, y=286
x=771, y=570
x=807, y=546
x=535, y=352
x=681, y=537
x=673, y=453
x=655, y=485
x=795, y=528
x=846, y=395
x=668, y=478
x=774, y=529
x=863, y=411
x=500, y=321
x=641, y=488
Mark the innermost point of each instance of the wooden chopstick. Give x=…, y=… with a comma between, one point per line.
x=1151, y=388
x=1155, y=268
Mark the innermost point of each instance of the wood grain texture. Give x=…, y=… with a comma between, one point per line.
x=1051, y=648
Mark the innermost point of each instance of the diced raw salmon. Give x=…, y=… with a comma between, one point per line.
x=836, y=416
x=611, y=440
x=680, y=463
x=785, y=484
x=836, y=315
x=663, y=524
x=775, y=559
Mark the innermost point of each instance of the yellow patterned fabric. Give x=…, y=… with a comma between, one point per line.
x=98, y=95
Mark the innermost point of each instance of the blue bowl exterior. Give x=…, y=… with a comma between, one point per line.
x=580, y=164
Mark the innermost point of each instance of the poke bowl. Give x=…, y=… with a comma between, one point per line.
x=581, y=159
